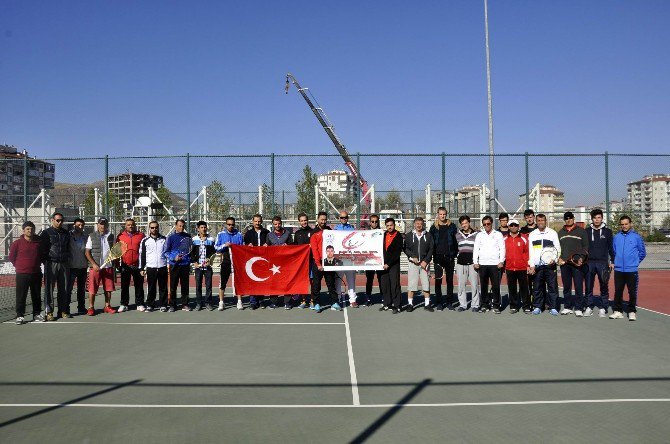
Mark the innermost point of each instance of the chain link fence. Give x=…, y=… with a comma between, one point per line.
x=399, y=185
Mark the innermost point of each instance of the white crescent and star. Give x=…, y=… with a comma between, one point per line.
x=250, y=272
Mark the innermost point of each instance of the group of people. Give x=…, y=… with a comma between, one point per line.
x=479, y=257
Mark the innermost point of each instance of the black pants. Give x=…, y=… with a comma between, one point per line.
x=25, y=282
x=369, y=280
x=206, y=274
x=490, y=273
x=545, y=284
x=79, y=275
x=597, y=269
x=138, y=282
x=444, y=265
x=329, y=277
x=625, y=279
x=55, y=274
x=570, y=274
x=157, y=276
x=179, y=274
x=390, y=282
x=520, y=296
x=226, y=271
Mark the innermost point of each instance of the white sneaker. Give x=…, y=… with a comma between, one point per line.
x=579, y=313
x=602, y=313
x=220, y=305
x=632, y=316
x=20, y=320
x=566, y=311
x=239, y=304
x=616, y=315
x=141, y=308
x=122, y=308
x=588, y=312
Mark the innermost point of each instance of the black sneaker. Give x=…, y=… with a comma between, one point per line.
x=461, y=309
x=450, y=307
x=209, y=307
x=475, y=309
x=368, y=303
x=483, y=309
x=410, y=308
x=440, y=307
x=198, y=307
x=383, y=308
x=254, y=306
x=428, y=308
x=513, y=310
x=81, y=311
x=395, y=311
x=496, y=311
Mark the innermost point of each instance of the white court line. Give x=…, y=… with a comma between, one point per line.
x=352, y=365
x=178, y=323
x=338, y=406
x=654, y=311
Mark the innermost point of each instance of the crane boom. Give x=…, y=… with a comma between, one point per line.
x=330, y=130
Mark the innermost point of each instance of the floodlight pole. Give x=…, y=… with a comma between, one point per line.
x=492, y=180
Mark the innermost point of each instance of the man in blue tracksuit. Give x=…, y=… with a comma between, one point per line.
x=629, y=251
x=601, y=261
x=227, y=237
x=179, y=266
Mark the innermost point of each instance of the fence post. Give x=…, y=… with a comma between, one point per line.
x=444, y=180
x=607, y=186
x=107, y=186
x=25, y=187
x=272, y=182
x=411, y=202
x=358, y=191
x=283, y=204
x=188, y=192
x=239, y=205
x=527, y=182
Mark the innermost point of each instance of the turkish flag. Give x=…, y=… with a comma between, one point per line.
x=282, y=269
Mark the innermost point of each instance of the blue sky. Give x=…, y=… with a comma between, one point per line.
x=143, y=78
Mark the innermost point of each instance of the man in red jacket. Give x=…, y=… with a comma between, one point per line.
x=130, y=262
x=26, y=254
x=516, y=268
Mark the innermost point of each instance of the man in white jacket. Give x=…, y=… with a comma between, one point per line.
x=488, y=257
x=543, y=274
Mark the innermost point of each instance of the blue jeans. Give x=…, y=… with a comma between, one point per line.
x=205, y=273
x=542, y=276
x=597, y=269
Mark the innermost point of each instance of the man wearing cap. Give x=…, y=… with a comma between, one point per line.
x=56, y=242
x=516, y=268
x=350, y=275
x=573, y=240
x=26, y=254
x=98, y=245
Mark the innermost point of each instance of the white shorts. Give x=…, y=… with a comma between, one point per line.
x=416, y=274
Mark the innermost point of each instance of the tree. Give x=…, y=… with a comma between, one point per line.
x=267, y=202
x=89, y=204
x=613, y=223
x=666, y=222
x=165, y=195
x=305, y=191
x=392, y=201
x=218, y=201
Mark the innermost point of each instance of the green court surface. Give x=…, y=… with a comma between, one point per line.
x=353, y=376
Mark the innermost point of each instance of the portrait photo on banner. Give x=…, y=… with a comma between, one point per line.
x=353, y=250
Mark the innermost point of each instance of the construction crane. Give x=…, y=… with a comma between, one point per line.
x=330, y=130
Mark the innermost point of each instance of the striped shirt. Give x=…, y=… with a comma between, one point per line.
x=466, y=244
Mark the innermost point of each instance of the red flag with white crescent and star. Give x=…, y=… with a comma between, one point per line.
x=282, y=269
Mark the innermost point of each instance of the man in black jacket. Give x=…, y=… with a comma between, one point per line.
x=601, y=263
x=445, y=249
x=257, y=236
x=301, y=237
x=56, y=242
x=573, y=241
x=390, y=276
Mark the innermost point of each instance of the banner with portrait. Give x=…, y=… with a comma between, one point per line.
x=353, y=250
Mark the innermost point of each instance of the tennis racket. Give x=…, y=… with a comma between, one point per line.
x=185, y=247
x=578, y=259
x=548, y=256
x=214, y=259
x=117, y=250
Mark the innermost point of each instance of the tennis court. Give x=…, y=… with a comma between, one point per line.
x=353, y=376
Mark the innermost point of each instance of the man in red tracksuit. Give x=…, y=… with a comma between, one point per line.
x=130, y=262
x=516, y=268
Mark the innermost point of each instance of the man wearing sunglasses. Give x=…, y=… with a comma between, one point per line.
x=56, y=242
x=488, y=257
x=154, y=266
x=227, y=237
x=350, y=275
x=370, y=274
